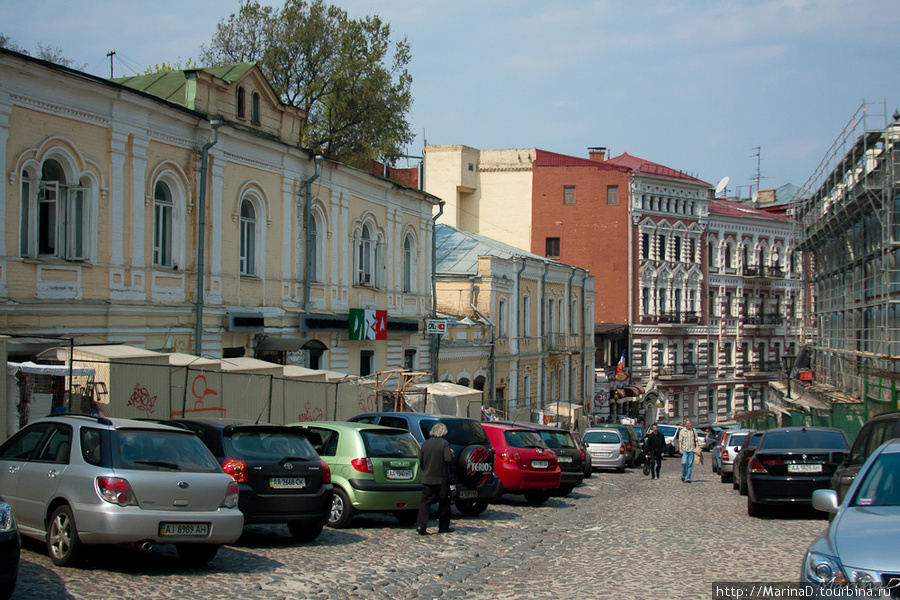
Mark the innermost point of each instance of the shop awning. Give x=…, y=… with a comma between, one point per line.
x=634, y=391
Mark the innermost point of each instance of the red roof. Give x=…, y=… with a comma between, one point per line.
x=552, y=159
x=639, y=165
x=737, y=209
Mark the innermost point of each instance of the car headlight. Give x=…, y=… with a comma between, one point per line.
x=7, y=521
x=822, y=568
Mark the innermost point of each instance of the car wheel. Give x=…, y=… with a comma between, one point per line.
x=620, y=469
x=536, y=498
x=588, y=472
x=7, y=589
x=305, y=531
x=565, y=490
x=734, y=480
x=63, y=544
x=726, y=477
x=471, y=508
x=406, y=517
x=629, y=463
x=196, y=555
x=755, y=509
x=341, y=510
x=742, y=487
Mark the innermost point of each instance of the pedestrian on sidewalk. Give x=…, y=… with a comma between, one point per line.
x=654, y=446
x=435, y=458
x=687, y=442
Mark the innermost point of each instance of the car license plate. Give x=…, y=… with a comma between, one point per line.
x=399, y=474
x=540, y=464
x=565, y=459
x=464, y=494
x=287, y=483
x=603, y=454
x=182, y=529
x=804, y=468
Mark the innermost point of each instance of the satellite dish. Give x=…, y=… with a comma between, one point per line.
x=720, y=187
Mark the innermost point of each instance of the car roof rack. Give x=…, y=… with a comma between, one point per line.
x=98, y=418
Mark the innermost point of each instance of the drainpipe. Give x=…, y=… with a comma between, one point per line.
x=307, y=215
x=201, y=235
x=435, y=339
x=584, y=340
x=544, y=351
x=568, y=355
x=493, y=334
x=519, y=330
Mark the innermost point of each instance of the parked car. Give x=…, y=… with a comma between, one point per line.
x=874, y=432
x=860, y=544
x=280, y=476
x=634, y=454
x=373, y=469
x=568, y=454
x=522, y=462
x=731, y=442
x=670, y=433
x=640, y=435
x=706, y=438
x=790, y=463
x=587, y=467
x=607, y=448
x=473, y=483
x=717, y=452
x=739, y=472
x=78, y=480
x=10, y=547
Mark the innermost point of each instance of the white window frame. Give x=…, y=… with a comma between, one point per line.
x=163, y=224
x=72, y=210
x=248, y=237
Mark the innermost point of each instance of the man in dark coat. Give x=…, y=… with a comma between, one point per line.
x=654, y=448
x=435, y=458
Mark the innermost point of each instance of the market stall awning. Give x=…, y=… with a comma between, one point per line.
x=55, y=370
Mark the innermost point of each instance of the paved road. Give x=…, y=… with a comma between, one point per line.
x=617, y=537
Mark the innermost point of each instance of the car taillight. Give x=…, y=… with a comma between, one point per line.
x=231, y=495
x=510, y=456
x=621, y=448
x=237, y=468
x=583, y=455
x=773, y=462
x=628, y=446
x=364, y=465
x=116, y=490
x=326, y=472
x=755, y=466
x=724, y=454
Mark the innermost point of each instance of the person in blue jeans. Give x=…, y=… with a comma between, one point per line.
x=687, y=441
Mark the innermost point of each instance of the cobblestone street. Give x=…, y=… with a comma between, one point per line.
x=618, y=536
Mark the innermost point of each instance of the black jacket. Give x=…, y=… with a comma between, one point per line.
x=434, y=458
x=655, y=443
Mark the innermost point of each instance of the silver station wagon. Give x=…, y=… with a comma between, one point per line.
x=76, y=480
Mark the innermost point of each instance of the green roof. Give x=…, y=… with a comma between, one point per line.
x=171, y=85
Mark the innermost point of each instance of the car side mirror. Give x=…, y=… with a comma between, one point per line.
x=837, y=458
x=825, y=500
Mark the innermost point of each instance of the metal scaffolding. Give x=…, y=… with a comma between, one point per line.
x=847, y=218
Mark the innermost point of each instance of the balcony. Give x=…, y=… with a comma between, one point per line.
x=762, y=272
x=564, y=343
x=764, y=367
x=678, y=319
x=765, y=320
x=678, y=371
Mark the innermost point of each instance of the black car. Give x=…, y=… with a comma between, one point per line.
x=10, y=546
x=874, y=432
x=790, y=463
x=739, y=472
x=568, y=454
x=634, y=448
x=280, y=476
x=472, y=481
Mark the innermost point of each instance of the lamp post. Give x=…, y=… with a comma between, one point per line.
x=788, y=361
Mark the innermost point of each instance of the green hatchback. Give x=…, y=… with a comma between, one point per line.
x=373, y=469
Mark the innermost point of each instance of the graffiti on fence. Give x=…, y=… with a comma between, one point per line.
x=311, y=413
x=200, y=389
x=142, y=400
x=367, y=404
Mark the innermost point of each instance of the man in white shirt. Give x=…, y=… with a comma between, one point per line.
x=687, y=441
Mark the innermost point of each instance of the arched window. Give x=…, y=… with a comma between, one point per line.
x=408, y=264
x=248, y=238
x=501, y=318
x=365, y=258
x=313, y=250
x=241, y=103
x=254, y=109
x=56, y=217
x=728, y=263
x=162, y=225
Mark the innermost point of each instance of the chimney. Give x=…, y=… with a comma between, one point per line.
x=597, y=154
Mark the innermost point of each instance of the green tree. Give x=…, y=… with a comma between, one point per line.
x=340, y=71
x=164, y=67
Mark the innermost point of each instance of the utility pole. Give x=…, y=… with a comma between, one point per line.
x=110, y=54
x=758, y=168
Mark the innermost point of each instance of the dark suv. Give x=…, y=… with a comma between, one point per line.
x=874, y=432
x=280, y=476
x=472, y=481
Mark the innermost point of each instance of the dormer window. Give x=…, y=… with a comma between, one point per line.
x=241, y=104
x=254, y=109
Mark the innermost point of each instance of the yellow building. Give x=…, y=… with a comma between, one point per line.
x=520, y=326
x=120, y=196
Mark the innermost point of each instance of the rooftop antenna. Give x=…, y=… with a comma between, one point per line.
x=722, y=186
x=110, y=54
x=758, y=166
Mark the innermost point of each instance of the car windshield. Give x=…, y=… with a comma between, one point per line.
x=389, y=444
x=558, y=439
x=260, y=444
x=147, y=449
x=601, y=437
x=881, y=486
x=812, y=439
x=667, y=430
x=523, y=439
x=737, y=439
x=460, y=432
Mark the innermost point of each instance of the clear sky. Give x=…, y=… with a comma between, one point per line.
x=696, y=85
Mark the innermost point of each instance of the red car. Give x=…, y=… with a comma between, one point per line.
x=522, y=462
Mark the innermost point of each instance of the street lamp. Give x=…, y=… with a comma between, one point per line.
x=788, y=361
